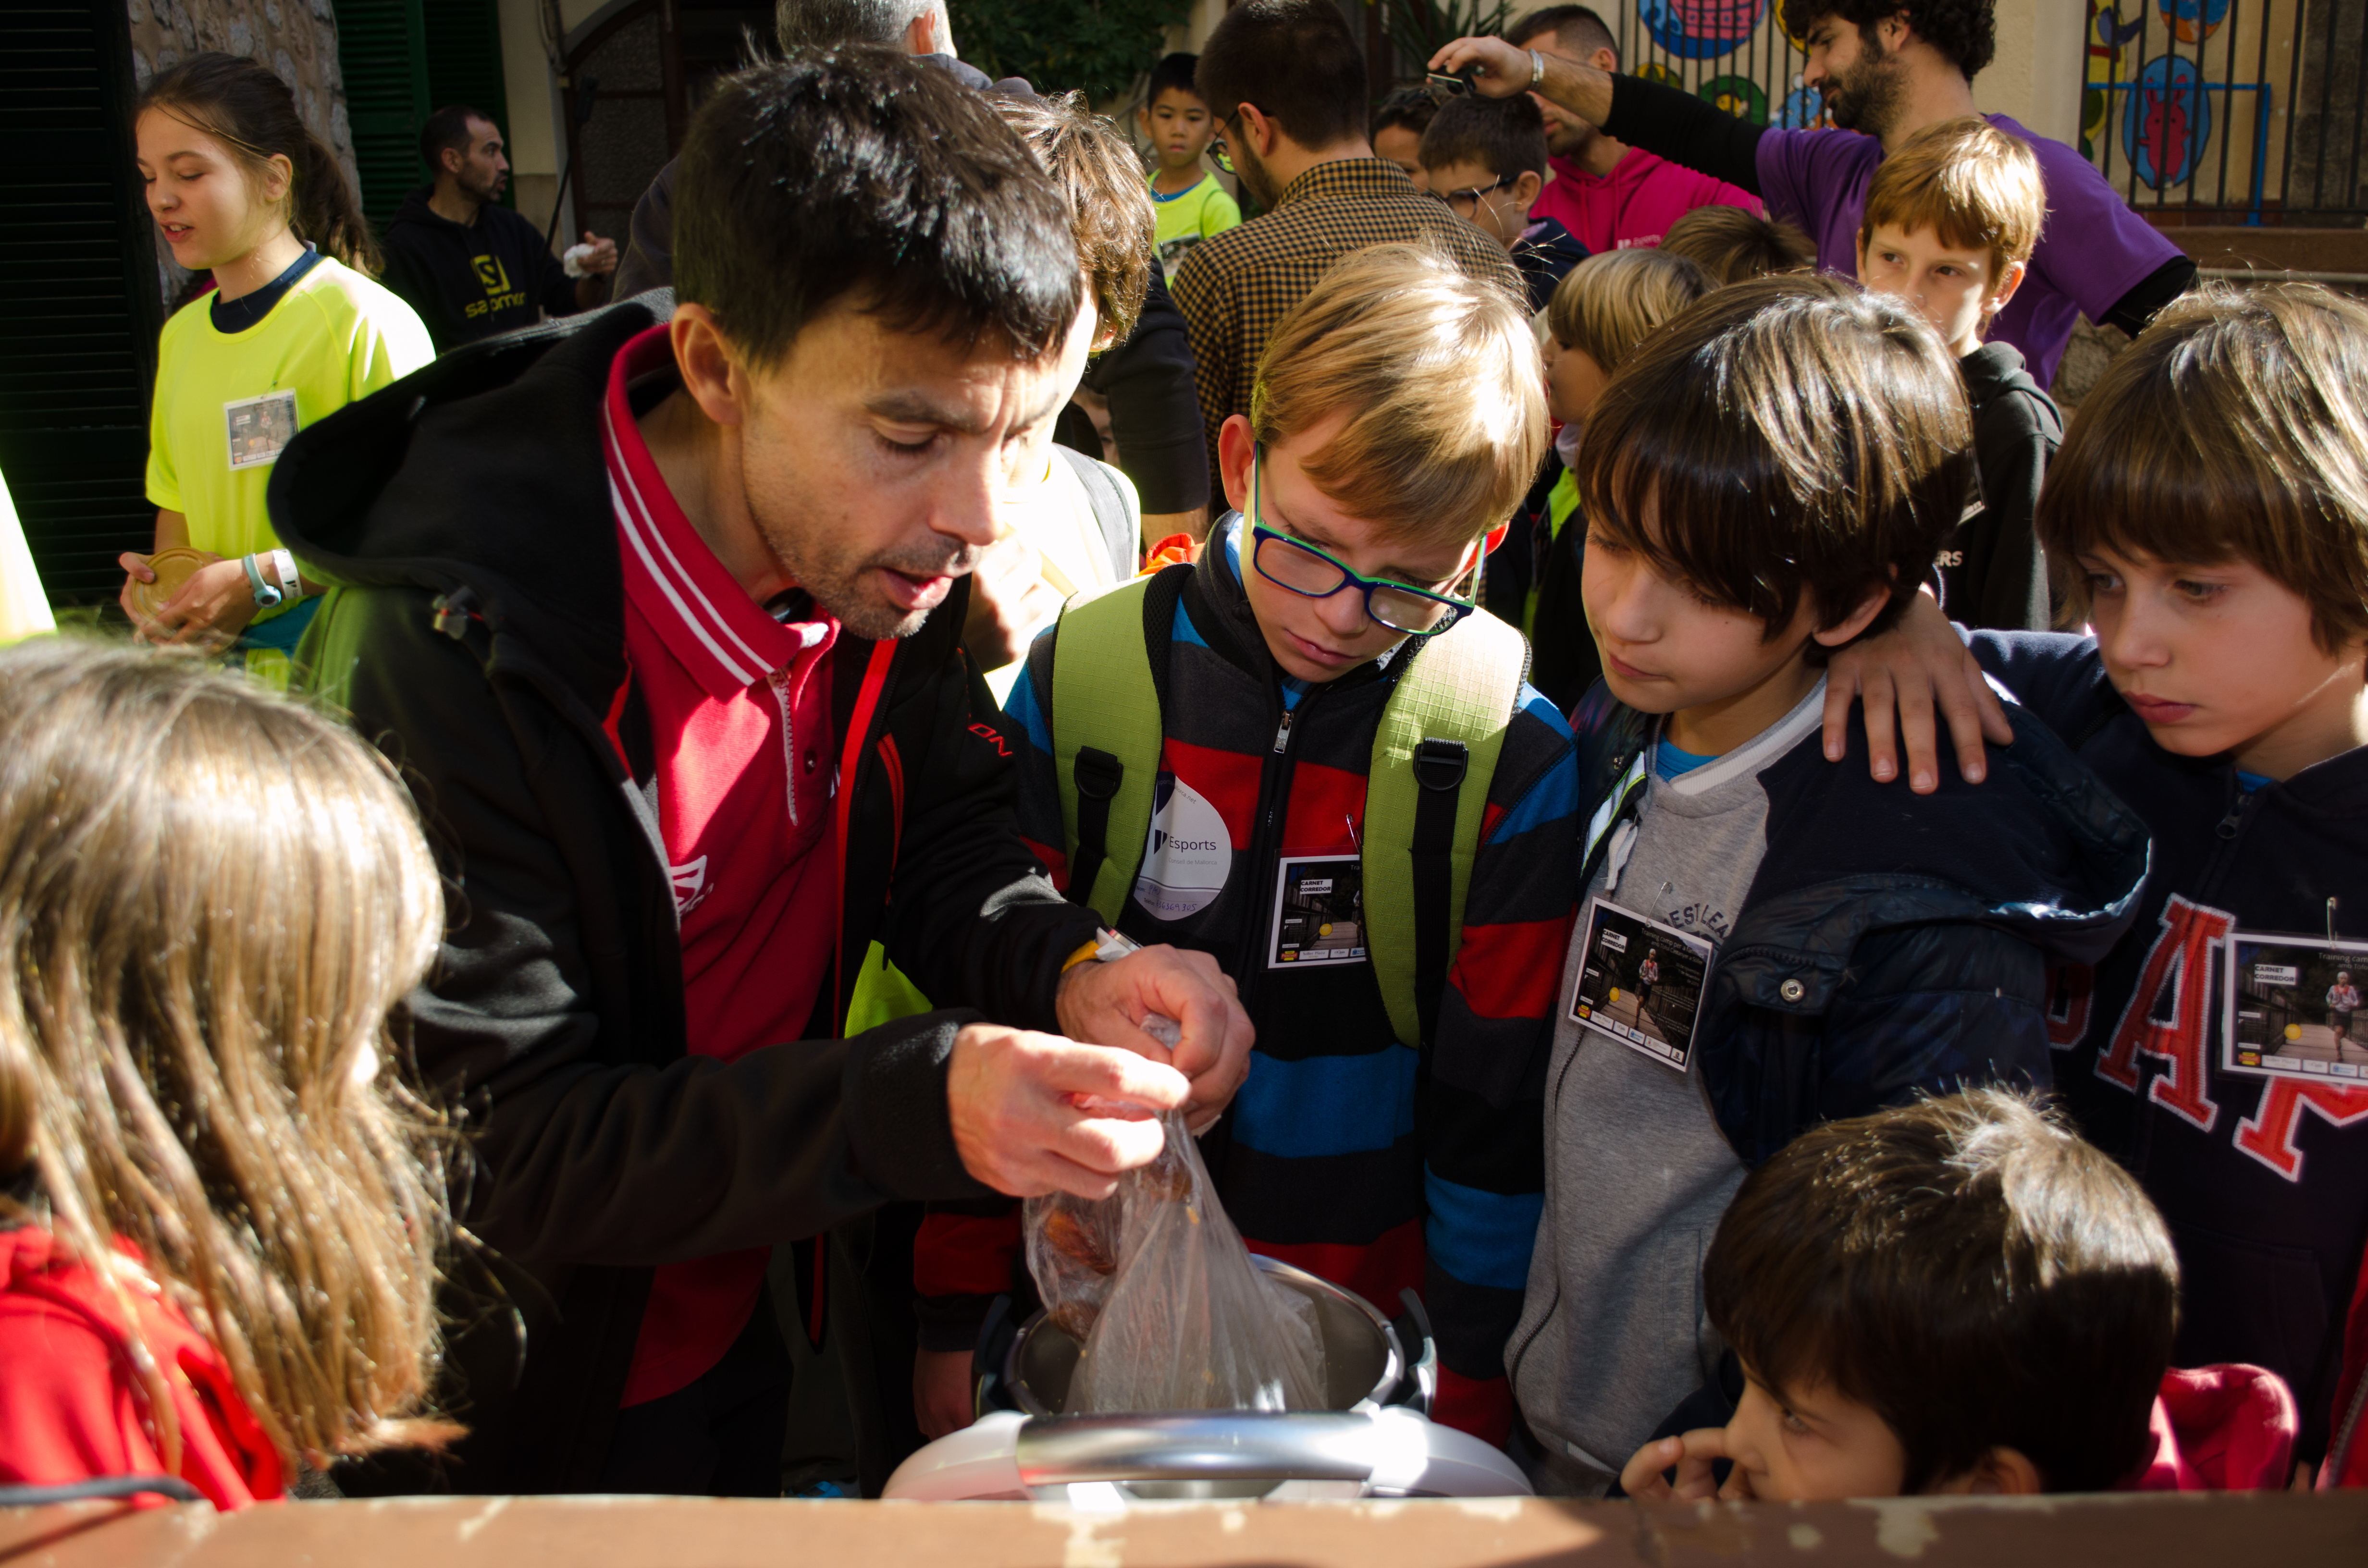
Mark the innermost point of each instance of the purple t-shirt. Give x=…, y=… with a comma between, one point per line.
x=2092, y=251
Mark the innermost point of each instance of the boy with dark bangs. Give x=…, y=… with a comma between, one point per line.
x=2213, y=493
x=1823, y=946
x=1958, y=1296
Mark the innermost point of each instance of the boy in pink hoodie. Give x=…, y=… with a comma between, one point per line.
x=1957, y=1296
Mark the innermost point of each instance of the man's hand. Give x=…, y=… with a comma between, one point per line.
x=1106, y=1003
x=1034, y=1113
x=1504, y=71
x=602, y=258
x=942, y=1398
x=1917, y=664
x=1008, y=595
x=1644, y=1478
x=213, y=607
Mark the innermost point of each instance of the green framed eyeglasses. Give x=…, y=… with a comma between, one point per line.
x=1303, y=569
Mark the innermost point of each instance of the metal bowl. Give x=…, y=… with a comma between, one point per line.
x=1363, y=1359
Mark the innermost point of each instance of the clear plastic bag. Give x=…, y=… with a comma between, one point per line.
x=1173, y=1316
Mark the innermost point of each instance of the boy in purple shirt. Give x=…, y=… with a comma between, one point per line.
x=1887, y=68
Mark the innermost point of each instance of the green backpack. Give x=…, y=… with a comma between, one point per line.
x=1434, y=752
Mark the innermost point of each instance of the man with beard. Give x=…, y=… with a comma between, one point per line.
x=1888, y=69
x=1285, y=84
x=469, y=267
x=660, y=608
x=1609, y=195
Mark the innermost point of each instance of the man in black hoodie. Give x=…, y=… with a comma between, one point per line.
x=469, y=267
x=660, y=611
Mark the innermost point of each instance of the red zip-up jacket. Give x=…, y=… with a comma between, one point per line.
x=74, y=1408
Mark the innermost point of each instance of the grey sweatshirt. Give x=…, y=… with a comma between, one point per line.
x=1612, y=1333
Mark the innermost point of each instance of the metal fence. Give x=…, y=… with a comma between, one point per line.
x=2230, y=112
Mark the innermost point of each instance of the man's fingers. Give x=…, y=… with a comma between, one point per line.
x=1110, y=1073
x=1840, y=694
x=1918, y=732
x=1876, y=709
x=1105, y=1145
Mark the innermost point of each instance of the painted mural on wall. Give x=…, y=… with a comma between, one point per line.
x=2165, y=120
x=1701, y=29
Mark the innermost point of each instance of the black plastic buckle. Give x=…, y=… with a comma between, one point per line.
x=1098, y=773
x=1439, y=764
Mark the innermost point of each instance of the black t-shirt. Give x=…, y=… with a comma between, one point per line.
x=469, y=281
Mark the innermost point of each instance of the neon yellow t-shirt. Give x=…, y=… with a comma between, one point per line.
x=226, y=403
x=1190, y=216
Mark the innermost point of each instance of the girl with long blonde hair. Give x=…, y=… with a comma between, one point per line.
x=221, y=1210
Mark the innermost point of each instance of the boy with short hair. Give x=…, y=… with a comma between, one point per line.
x=2212, y=494
x=1958, y=1295
x=1191, y=202
x=1485, y=158
x=1396, y=128
x=1309, y=754
x=1952, y=220
x=1826, y=946
x=1732, y=244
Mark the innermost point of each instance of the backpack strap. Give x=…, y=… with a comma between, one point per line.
x=1434, y=755
x=1115, y=506
x=1107, y=731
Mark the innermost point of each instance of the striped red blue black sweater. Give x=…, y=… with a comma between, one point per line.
x=1346, y=1153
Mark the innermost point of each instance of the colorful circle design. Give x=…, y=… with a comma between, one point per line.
x=1701, y=29
x=1739, y=95
x=1804, y=109
x=2167, y=121
x=2194, y=20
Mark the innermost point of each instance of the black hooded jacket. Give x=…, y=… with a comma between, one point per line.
x=476, y=633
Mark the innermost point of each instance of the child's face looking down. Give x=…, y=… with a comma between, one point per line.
x=1713, y=668
x=1177, y=123
x=1958, y=289
x=1810, y=1445
x=1573, y=381
x=1399, y=145
x=1500, y=213
x=2219, y=658
x=1321, y=640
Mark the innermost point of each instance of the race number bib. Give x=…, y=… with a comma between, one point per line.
x=2289, y=1006
x=1640, y=982
x=259, y=427
x=1319, y=912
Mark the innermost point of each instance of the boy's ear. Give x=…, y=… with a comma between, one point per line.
x=1861, y=617
x=1527, y=188
x=2008, y=281
x=1236, y=452
x=2001, y=1471
x=1495, y=537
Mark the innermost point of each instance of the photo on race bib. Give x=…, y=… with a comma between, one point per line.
x=1641, y=983
x=259, y=427
x=1319, y=912
x=2289, y=1006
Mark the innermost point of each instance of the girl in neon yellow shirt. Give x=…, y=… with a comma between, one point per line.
x=294, y=330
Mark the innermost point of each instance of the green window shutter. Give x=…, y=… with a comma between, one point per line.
x=464, y=61
x=382, y=52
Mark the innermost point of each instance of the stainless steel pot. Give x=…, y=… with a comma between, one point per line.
x=1363, y=1359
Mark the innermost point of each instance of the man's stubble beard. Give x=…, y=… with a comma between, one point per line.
x=837, y=579
x=1870, y=93
x=1253, y=176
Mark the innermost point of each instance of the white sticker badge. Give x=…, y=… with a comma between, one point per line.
x=258, y=428
x=1188, y=854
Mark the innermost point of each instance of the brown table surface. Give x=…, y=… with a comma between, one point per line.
x=2225, y=1531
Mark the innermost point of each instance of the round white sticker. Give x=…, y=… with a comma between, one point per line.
x=1188, y=854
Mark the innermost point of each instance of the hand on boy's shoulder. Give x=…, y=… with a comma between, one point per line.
x=1901, y=676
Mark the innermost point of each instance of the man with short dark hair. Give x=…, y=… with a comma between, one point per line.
x=469, y=266
x=661, y=614
x=1609, y=195
x=1285, y=82
x=1888, y=69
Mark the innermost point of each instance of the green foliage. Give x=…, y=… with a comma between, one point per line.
x=1420, y=28
x=1102, y=46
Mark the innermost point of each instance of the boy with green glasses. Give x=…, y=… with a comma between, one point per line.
x=1311, y=756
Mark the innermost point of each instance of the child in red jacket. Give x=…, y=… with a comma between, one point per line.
x=1958, y=1296
x=219, y=1212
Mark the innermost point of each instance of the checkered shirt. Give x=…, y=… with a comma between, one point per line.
x=1235, y=286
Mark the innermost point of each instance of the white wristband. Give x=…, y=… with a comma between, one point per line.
x=284, y=564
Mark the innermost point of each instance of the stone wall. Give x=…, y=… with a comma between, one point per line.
x=297, y=39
